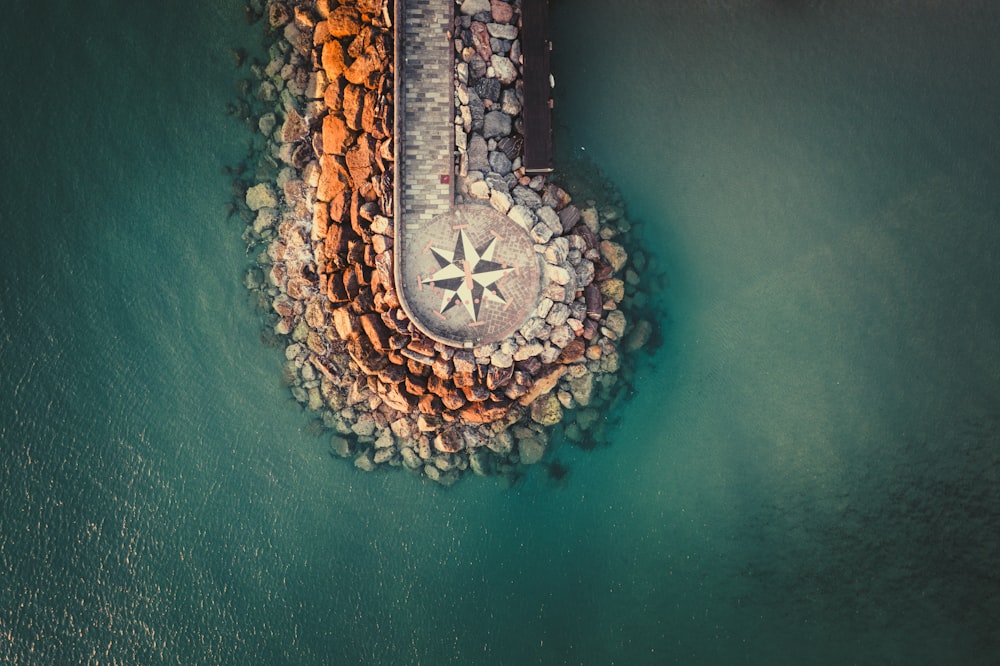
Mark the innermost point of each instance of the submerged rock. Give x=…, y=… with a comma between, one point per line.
x=531, y=450
x=260, y=196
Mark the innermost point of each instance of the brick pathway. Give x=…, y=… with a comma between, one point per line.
x=496, y=285
x=427, y=93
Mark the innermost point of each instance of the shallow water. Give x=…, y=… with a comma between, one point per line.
x=808, y=472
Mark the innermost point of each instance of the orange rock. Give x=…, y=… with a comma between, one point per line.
x=303, y=19
x=484, y=412
x=339, y=207
x=344, y=21
x=368, y=118
x=370, y=6
x=333, y=96
x=353, y=105
x=360, y=160
x=336, y=136
x=321, y=220
x=543, y=384
x=376, y=330
x=332, y=180
x=299, y=288
x=321, y=33
x=361, y=42
x=345, y=323
x=573, y=352
x=323, y=7
x=336, y=291
x=333, y=59
x=365, y=71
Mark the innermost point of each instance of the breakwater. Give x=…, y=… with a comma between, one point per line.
x=322, y=207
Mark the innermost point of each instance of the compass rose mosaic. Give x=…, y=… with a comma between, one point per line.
x=468, y=275
x=472, y=277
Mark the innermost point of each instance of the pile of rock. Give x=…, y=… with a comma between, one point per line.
x=322, y=205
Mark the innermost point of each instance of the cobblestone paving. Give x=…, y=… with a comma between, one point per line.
x=428, y=225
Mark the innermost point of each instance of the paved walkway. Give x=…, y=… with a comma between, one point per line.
x=427, y=94
x=466, y=276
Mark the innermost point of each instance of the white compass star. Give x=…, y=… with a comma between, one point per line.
x=468, y=275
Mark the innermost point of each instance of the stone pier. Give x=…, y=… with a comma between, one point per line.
x=466, y=275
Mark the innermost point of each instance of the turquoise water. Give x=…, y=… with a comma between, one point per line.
x=808, y=473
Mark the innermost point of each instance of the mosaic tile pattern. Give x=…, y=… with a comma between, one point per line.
x=511, y=269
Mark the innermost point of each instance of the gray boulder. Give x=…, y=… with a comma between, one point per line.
x=500, y=163
x=478, y=153
x=497, y=123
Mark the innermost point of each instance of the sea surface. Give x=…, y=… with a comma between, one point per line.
x=808, y=472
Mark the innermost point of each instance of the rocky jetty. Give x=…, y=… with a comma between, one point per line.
x=320, y=205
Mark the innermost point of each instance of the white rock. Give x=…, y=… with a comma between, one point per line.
x=364, y=461
x=503, y=68
x=340, y=446
x=401, y=428
x=364, y=426
x=616, y=323
x=557, y=274
x=541, y=233
x=384, y=440
x=267, y=123
x=260, y=196
x=315, y=399
x=501, y=443
x=502, y=30
x=523, y=216
x=543, y=308
x=531, y=328
x=528, y=350
x=558, y=315
x=266, y=217
x=410, y=458
x=550, y=218
x=589, y=217
x=501, y=201
x=479, y=190
x=557, y=250
x=581, y=388
x=501, y=359
x=584, y=273
x=470, y=7
x=550, y=353
x=561, y=336
x=531, y=449
x=480, y=462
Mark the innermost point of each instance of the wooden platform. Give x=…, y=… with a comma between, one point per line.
x=537, y=111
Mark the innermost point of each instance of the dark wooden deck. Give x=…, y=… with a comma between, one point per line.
x=537, y=111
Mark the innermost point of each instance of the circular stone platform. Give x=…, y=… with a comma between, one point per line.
x=469, y=277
